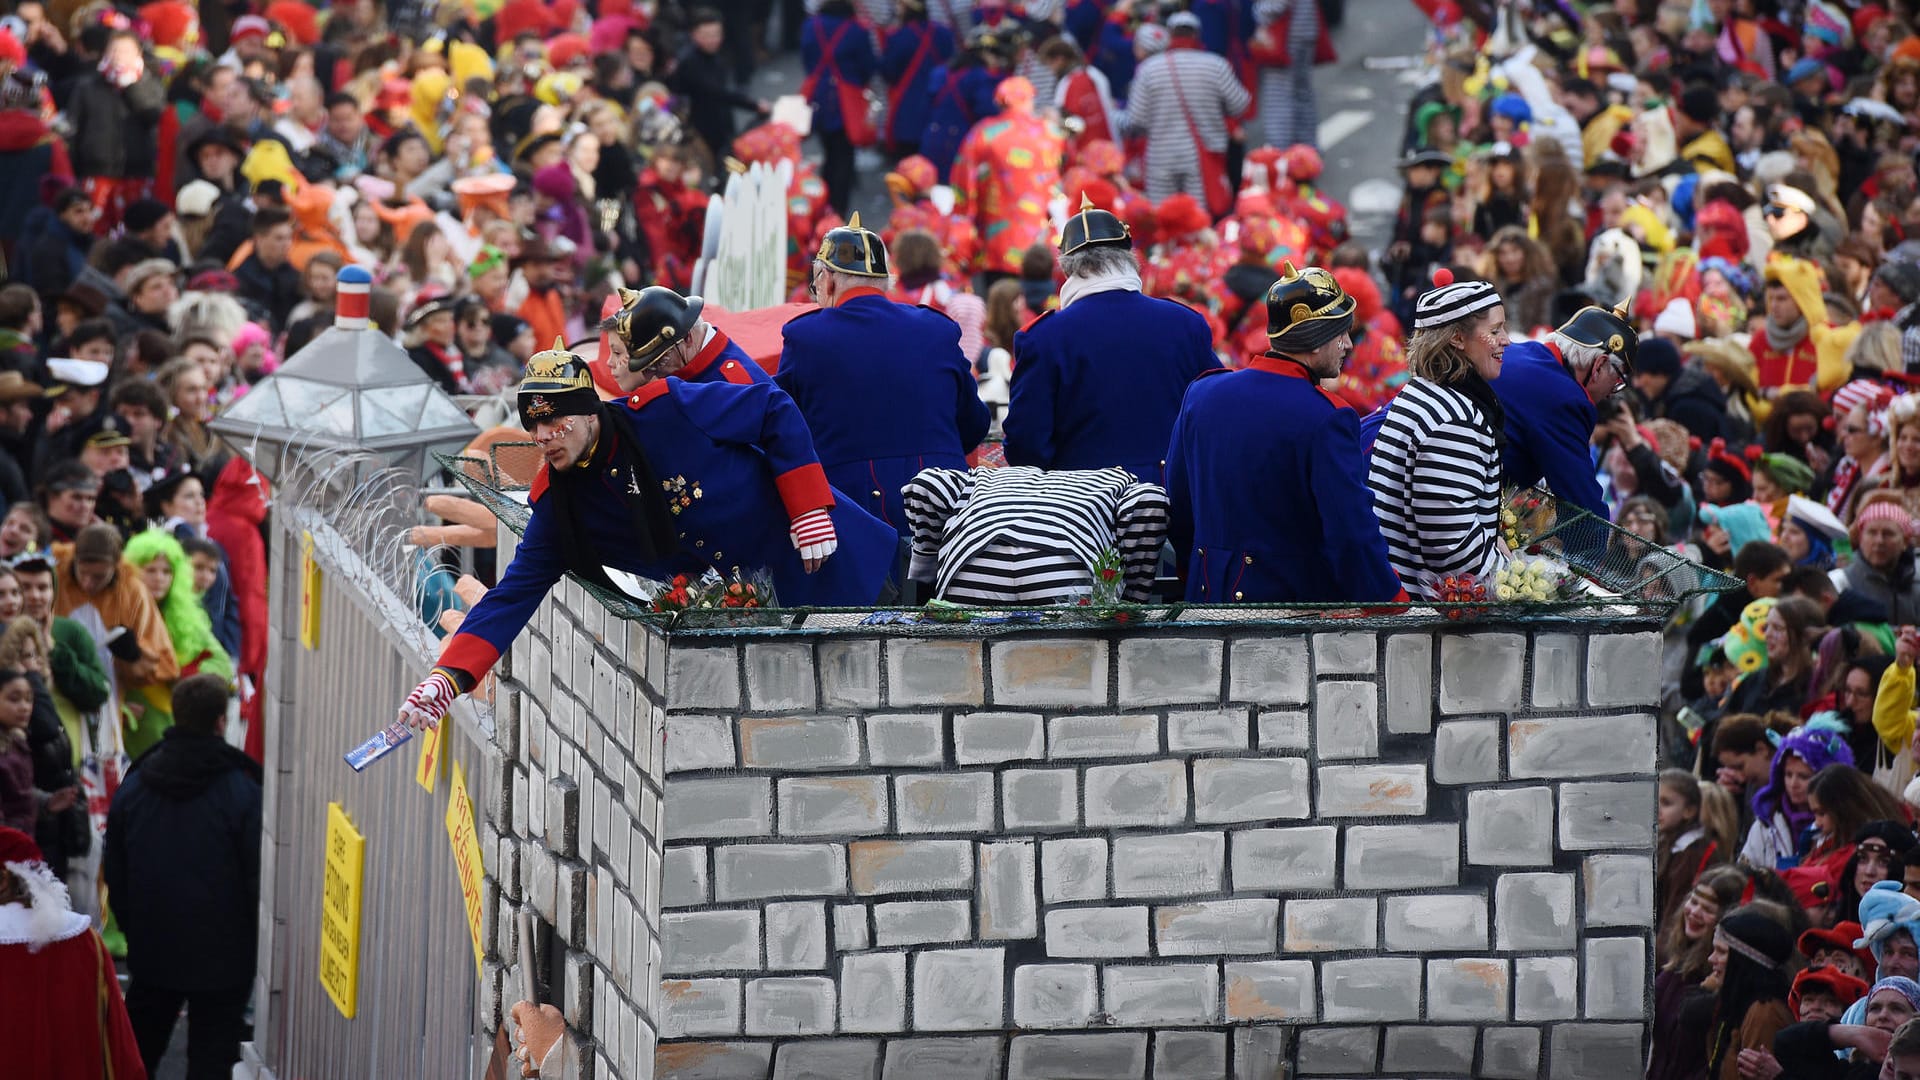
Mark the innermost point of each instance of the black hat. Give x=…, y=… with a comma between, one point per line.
x=217, y=135
x=1607, y=330
x=1902, y=277
x=654, y=320
x=105, y=432
x=1700, y=103
x=533, y=144
x=1895, y=835
x=851, y=249
x=429, y=308
x=506, y=328
x=1306, y=309
x=144, y=214
x=1658, y=356
x=1093, y=225
x=1426, y=157
x=165, y=486
x=557, y=383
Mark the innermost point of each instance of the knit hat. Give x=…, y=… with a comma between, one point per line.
x=1700, y=103
x=1828, y=24
x=1658, y=356
x=1902, y=277
x=1513, y=107
x=1675, y=319
x=144, y=214
x=1449, y=301
x=144, y=271
x=1882, y=511
x=1743, y=521
x=1860, y=392
x=1789, y=473
x=1804, y=68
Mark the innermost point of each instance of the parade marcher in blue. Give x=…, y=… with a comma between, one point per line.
x=838, y=55
x=914, y=51
x=671, y=479
x=883, y=386
x=668, y=337
x=1549, y=390
x=1098, y=382
x=1265, y=476
x=963, y=90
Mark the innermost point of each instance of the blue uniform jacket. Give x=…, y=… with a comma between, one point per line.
x=886, y=392
x=1099, y=382
x=1225, y=25
x=853, y=60
x=1113, y=55
x=720, y=360
x=1549, y=426
x=1083, y=20
x=737, y=465
x=1268, y=493
x=910, y=100
x=961, y=99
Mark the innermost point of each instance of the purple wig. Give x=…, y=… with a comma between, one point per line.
x=1819, y=743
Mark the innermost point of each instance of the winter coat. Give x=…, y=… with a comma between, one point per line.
x=235, y=512
x=1695, y=402
x=182, y=862
x=29, y=150
x=115, y=129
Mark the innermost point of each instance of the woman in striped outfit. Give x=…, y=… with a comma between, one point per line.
x=1435, y=473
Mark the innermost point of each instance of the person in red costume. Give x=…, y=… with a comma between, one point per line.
x=911, y=185
x=58, y=990
x=1296, y=197
x=235, y=512
x=1189, y=254
x=671, y=211
x=1081, y=93
x=1007, y=172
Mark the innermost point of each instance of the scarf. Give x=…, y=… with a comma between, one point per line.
x=1127, y=279
x=1478, y=391
x=1786, y=339
x=452, y=360
x=652, y=533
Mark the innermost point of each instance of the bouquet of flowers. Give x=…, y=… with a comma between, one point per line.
x=1534, y=581
x=711, y=592
x=1465, y=595
x=1523, y=516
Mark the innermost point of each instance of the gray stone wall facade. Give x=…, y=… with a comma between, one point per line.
x=1314, y=849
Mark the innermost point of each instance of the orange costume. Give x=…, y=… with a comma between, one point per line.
x=910, y=185
x=1007, y=172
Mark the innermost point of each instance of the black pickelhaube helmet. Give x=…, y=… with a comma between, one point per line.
x=652, y=321
x=1607, y=330
x=557, y=383
x=851, y=249
x=1303, y=297
x=1092, y=225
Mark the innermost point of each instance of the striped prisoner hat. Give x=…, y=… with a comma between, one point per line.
x=1450, y=301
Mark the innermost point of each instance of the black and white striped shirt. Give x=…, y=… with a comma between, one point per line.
x=1435, y=477
x=1022, y=535
x=1211, y=93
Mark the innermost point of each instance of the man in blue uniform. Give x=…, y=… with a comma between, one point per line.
x=963, y=91
x=1265, y=478
x=1097, y=382
x=657, y=332
x=1549, y=390
x=675, y=477
x=914, y=51
x=883, y=386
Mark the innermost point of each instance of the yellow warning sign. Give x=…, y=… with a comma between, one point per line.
x=346, y=854
x=466, y=857
x=309, y=594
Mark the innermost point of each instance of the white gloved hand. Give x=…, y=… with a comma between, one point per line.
x=429, y=701
x=814, y=538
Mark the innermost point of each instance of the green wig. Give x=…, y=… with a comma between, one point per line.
x=186, y=617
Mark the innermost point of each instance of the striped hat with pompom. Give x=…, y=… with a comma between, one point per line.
x=1449, y=301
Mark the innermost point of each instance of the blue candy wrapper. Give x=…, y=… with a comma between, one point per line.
x=382, y=744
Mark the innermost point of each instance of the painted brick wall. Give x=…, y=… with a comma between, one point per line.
x=1211, y=853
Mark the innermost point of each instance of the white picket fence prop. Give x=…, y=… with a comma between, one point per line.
x=743, y=261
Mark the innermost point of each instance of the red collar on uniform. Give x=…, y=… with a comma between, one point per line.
x=704, y=359
x=1281, y=365
x=857, y=293
x=1294, y=369
x=639, y=398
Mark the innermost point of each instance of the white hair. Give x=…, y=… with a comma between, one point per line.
x=1578, y=355
x=1098, y=260
x=215, y=315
